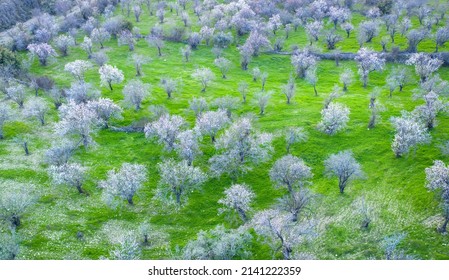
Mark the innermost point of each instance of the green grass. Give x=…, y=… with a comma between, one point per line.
x=394, y=187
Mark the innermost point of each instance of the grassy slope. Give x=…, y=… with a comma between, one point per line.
x=394, y=187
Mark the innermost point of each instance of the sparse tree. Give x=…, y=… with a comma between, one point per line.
x=106, y=110
x=70, y=174
x=218, y=243
x=437, y=178
x=166, y=129
x=100, y=36
x=312, y=78
x=343, y=166
x=198, y=106
x=178, y=179
x=9, y=246
x=81, y=92
x=5, y=115
x=346, y=78
x=37, y=108
x=257, y=41
x=263, y=79
x=399, y=77
x=425, y=65
x=137, y=12
x=390, y=243
x=238, y=199
x=409, y=134
x=157, y=42
x=77, y=68
x=246, y=52
x=347, y=27
x=280, y=232
x=100, y=58
x=63, y=42
x=169, y=85
x=126, y=38
x=139, y=60
x=224, y=65
x=239, y=146
x=194, y=40
x=441, y=37
x=17, y=93
x=110, y=75
x=262, y=99
x=211, y=122
x=302, y=61
x=87, y=45
x=414, y=37
x=368, y=30
x=334, y=118
x=14, y=202
x=186, y=51
x=428, y=112
x=290, y=172
x=60, y=152
x=43, y=51
x=243, y=89
x=313, y=30
x=77, y=120
x=227, y=103
x=297, y=202
x=186, y=145
x=294, y=135
x=289, y=90
x=135, y=92
x=332, y=39
x=368, y=61
x=123, y=183
x=204, y=75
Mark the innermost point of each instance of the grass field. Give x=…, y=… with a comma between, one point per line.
x=394, y=188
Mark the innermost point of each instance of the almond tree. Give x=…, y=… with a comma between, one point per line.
x=165, y=129
x=105, y=109
x=187, y=146
x=204, y=75
x=280, y=232
x=36, y=108
x=223, y=64
x=139, y=60
x=70, y=174
x=290, y=172
x=209, y=123
x=424, y=64
x=110, y=75
x=135, y=92
x=294, y=135
x=63, y=42
x=81, y=92
x=437, y=178
x=14, y=202
x=289, y=90
x=5, y=115
x=87, y=45
x=17, y=93
x=77, y=68
x=409, y=134
x=100, y=36
x=343, y=166
x=368, y=61
x=441, y=37
x=178, y=180
x=238, y=198
x=43, y=51
x=346, y=78
x=302, y=61
x=198, y=106
x=77, y=120
x=123, y=183
x=334, y=118
x=428, y=112
x=368, y=30
x=238, y=146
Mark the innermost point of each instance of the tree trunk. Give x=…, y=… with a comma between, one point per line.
x=242, y=214
x=178, y=198
x=80, y=190
x=443, y=228
x=130, y=200
x=25, y=147
x=15, y=221
x=286, y=252
x=314, y=89
x=110, y=86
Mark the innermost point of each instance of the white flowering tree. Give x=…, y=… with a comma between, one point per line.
x=238, y=146
x=37, y=108
x=437, y=178
x=81, y=92
x=77, y=68
x=424, y=64
x=209, y=123
x=135, y=91
x=69, y=174
x=290, y=172
x=178, y=180
x=280, y=232
x=43, y=51
x=238, y=199
x=302, y=61
x=334, y=118
x=14, y=202
x=77, y=120
x=63, y=42
x=165, y=129
x=204, y=75
x=106, y=110
x=409, y=134
x=123, y=183
x=187, y=146
x=343, y=166
x=17, y=93
x=100, y=36
x=110, y=75
x=5, y=115
x=367, y=62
